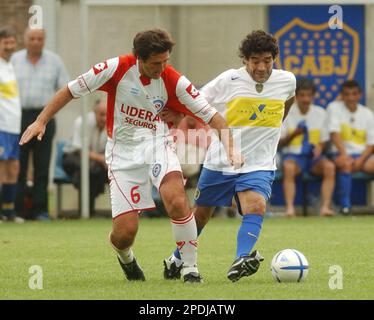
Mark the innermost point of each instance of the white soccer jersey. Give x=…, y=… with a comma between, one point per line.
x=316, y=123
x=254, y=117
x=10, y=104
x=134, y=102
x=356, y=128
x=139, y=152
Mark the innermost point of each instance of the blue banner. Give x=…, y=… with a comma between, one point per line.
x=309, y=47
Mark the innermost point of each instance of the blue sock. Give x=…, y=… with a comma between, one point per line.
x=9, y=195
x=344, y=185
x=248, y=233
x=176, y=251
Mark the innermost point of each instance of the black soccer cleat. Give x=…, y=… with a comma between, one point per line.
x=171, y=270
x=192, y=277
x=245, y=266
x=132, y=270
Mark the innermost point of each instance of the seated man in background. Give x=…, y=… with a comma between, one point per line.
x=303, y=135
x=352, y=132
x=97, y=137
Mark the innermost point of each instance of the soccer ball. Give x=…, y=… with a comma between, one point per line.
x=289, y=265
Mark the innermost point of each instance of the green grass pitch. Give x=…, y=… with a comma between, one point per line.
x=78, y=263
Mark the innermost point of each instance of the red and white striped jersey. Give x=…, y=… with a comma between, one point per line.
x=134, y=101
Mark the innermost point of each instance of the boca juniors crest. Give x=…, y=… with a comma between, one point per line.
x=310, y=47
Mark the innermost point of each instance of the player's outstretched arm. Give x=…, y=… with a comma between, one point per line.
x=219, y=124
x=37, y=128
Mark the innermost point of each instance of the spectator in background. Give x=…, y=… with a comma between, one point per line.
x=97, y=137
x=40, y=73
x=352, y=133
x=10, y=125
x=303, y=135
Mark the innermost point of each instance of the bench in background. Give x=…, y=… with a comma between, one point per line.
x=306, y=179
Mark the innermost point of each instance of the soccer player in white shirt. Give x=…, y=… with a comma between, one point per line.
x=303, y=136
x=352, y=132
x=254, y=100
x=10, y=126
x=139, y=152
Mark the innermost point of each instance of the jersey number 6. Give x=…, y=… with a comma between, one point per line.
x=135, y=196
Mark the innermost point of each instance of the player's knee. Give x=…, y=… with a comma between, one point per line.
x=368, y=168
x=346, y=167
x=329, y=169
x=124, y=237
x=12, y=172
x=257, y=206
x=289, y=168
x=124, y=240
x=178, y=207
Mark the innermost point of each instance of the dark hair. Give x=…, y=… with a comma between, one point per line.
x=6, y=32
x=152, y=41
x=350, y=84
x=258, y=42
x=305, y=84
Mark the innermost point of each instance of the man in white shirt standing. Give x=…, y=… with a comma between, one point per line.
x=304, y=134
x=10, y=125
x=352, y=132
x=97, y=138
x=40, y=73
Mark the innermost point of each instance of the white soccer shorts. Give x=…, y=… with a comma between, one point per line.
x=133, y=172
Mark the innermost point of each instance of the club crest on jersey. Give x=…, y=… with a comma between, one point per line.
x=156, y=170
x=158, y=104
x=100, y=67
x=192, y=91
x=259, y=87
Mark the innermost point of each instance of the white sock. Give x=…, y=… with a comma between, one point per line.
x=125, y=255
x=185, y=235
